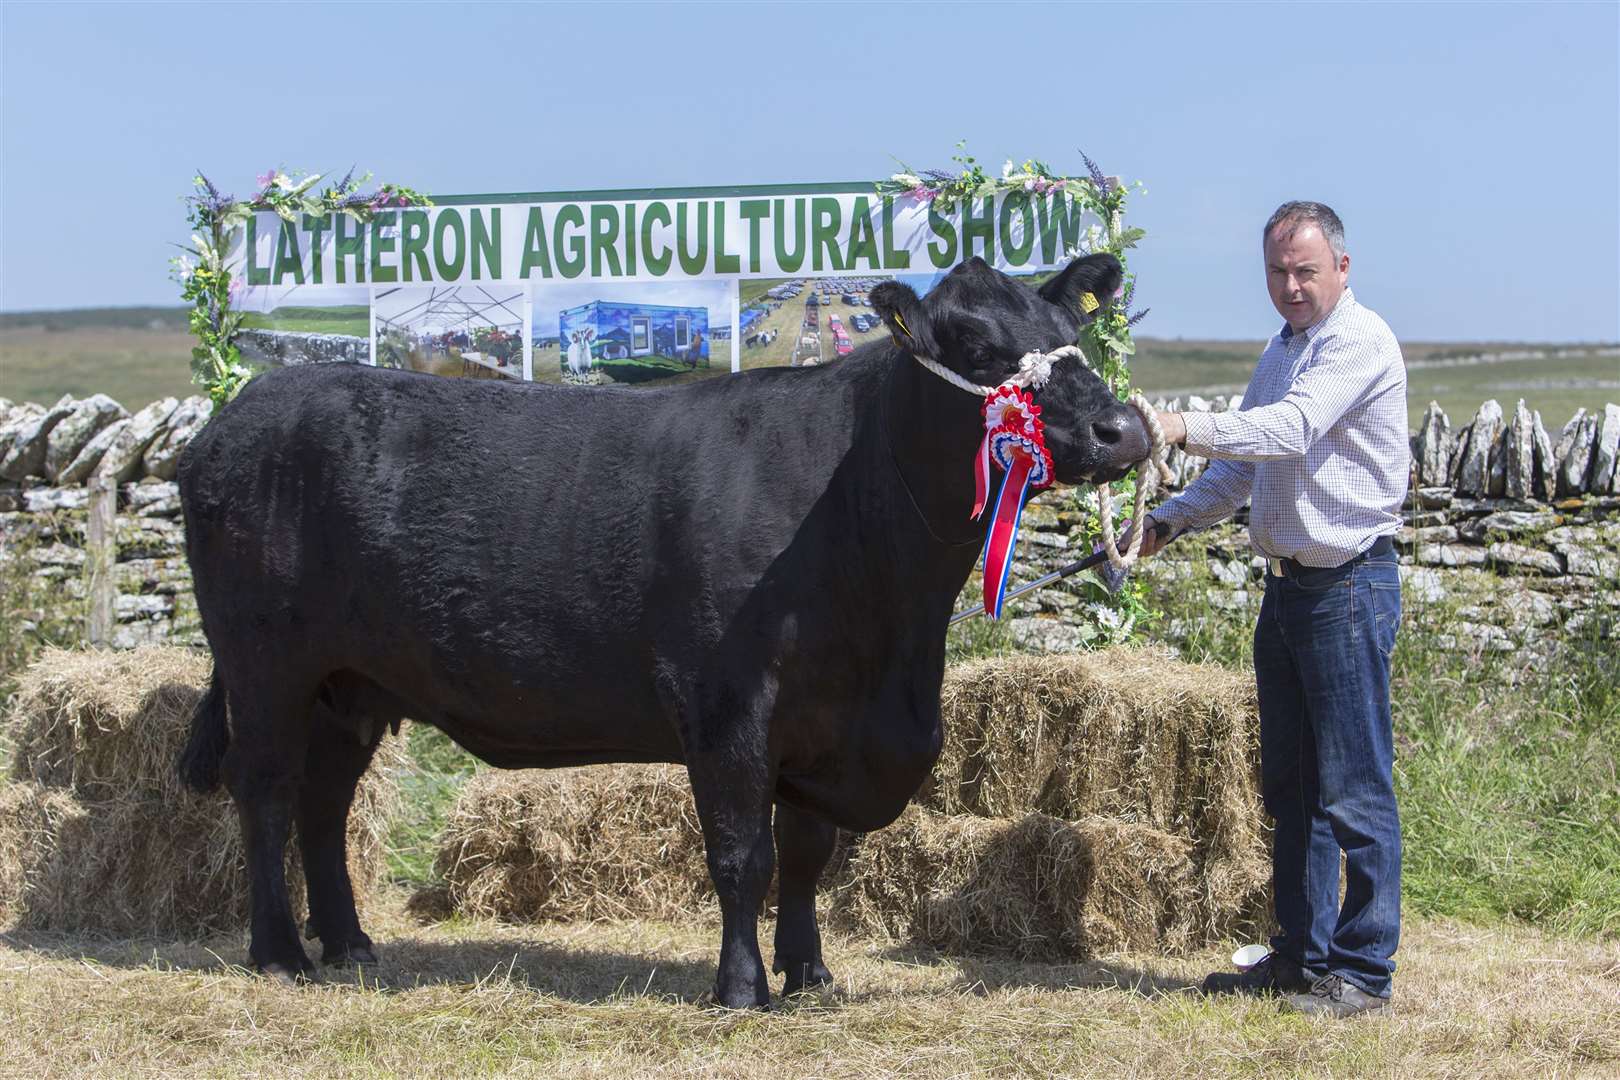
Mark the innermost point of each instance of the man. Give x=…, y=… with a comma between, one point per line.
x=1319, y=448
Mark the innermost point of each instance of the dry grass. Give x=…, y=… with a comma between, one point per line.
x=98, y=835
x=484, y=999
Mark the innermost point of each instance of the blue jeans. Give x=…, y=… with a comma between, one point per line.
x=1321, y=661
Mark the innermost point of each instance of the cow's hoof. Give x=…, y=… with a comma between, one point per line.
x=289, y=975
x=739, y=1000
x=349, y=956
x=806, y=978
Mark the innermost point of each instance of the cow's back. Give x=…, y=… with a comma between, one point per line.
x=508, y=557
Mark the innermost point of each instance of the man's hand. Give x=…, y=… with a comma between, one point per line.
x=1151, y=542
x=1175, y=429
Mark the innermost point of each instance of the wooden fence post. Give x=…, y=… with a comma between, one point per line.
x=101, y=557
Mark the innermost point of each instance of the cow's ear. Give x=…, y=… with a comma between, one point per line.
x=1085, y=285
x=902, y=312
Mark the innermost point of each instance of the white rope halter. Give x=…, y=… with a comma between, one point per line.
x=1034, y=369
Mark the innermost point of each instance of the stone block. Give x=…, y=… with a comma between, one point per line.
x=124, y=458
x=80, y=468
x=1575, y=464
x=25, y=456
x=163, y=455
x=1522, y=558
x=1519, y=454
x=1605, y=451
x=1474, y=477
x=86, y=419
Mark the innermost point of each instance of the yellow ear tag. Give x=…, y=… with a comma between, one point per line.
x=1088, y=303
x=902, y=323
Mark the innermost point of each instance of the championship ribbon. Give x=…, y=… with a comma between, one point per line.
x=1029, y=467
x=1010, y=407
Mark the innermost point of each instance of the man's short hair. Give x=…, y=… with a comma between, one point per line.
x=1291, y=215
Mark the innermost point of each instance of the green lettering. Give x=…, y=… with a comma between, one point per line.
x=288, y=257
x=657, y=264
x=862, y=240
x=256, y=274
x=1057, y=213
x=1017, y=255
x=695, y=261
x=724, y=261
x=982, y=226
x=893, y=258
x=414, y=244
x=536, y=252
x=630, y=238
x=381, y=245
x=316, y=227
x=789, y=263
x=569, y=248
x=943, y=256
x=345, y=246
x=752, y=210
x=604, y=237
x=448, y=266
x=486, y=243
x=826, y=219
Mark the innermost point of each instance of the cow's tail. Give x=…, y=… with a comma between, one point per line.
x=205, y=746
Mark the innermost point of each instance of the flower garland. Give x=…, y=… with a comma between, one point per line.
x=211, y=289
x=1105, y=340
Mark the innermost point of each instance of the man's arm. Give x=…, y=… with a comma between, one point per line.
x=1345, y=372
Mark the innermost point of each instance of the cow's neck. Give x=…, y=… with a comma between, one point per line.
x=934, y=431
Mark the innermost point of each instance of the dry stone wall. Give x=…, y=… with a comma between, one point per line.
x=1514, y=534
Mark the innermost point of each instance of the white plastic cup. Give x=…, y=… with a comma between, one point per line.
x=1250, y=955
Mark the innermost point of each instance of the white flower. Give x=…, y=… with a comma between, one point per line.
x=282, y=180
x=183, y=266
x=907, y=179
x=1007, y=170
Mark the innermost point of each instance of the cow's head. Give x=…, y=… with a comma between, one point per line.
x=979, y=323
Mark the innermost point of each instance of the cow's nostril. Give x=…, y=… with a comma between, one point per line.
x=1106, y=432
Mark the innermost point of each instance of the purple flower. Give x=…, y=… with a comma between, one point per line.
x=265, y=179
x=923, y=194
x=238, y=283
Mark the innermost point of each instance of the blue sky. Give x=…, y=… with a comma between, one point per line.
x=1472, y=150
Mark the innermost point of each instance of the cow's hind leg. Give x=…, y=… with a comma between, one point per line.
x=263, y=769
x=804, y=843
x=340, y=749
x=734, y=808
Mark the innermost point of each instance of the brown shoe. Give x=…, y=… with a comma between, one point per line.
x=1333, y=996
x=1273, y=975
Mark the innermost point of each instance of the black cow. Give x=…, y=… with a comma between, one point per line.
x=749, y=575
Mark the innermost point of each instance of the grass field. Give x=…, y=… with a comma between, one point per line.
x=352, y=319
x=479, y=999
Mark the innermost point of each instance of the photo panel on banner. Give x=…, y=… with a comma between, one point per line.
x=653, y=333
x=463, y=331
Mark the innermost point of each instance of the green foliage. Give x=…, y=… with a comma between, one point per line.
x=207, y=284
x=36, y=611
x=1507, y=770
x=437, y=768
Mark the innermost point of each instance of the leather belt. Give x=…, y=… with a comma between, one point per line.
x=1293, y=568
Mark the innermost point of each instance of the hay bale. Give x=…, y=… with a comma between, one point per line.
x=98, y=835
x=1033, y=886
x=1129, y=734
x=105, y=722
x=605, y=842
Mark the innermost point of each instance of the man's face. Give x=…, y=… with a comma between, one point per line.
x=1304, y=279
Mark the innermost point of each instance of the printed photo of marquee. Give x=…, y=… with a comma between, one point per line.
x=634, y=333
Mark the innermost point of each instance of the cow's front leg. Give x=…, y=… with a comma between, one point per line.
x=804, y=843
x=734, y=807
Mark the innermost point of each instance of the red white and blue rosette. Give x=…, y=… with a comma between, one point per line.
x=1028, y=465
x=1006, y=406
